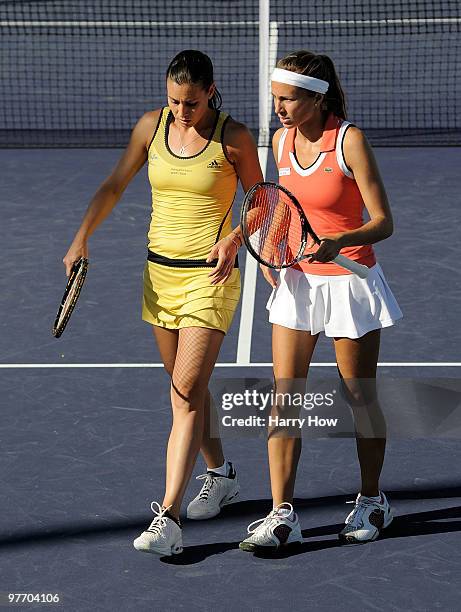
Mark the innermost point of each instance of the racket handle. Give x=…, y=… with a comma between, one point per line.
x=352, y=266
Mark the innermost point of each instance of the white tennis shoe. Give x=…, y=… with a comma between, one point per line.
x=277, y=529
x=217, y=491
x=366, y=520
x=162, y=537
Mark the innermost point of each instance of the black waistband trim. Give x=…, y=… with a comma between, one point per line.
x=183, y=263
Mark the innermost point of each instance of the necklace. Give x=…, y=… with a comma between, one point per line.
x=183, y=148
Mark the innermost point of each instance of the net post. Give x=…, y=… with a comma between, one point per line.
x=264, y=50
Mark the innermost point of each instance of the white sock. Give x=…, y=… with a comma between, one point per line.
x=222, y=470
x=284, y=511
x=376, y=499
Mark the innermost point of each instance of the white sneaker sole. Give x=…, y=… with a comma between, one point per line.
x=226, y=501
x=162, y=551
x=350, y=539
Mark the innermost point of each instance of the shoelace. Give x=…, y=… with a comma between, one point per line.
x=160, y=520
x=360, y=506
x=209, y=482
x=267, y=519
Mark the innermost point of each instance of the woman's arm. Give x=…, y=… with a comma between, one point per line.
x=359, y=158
x=241, y=151
x=110, y=191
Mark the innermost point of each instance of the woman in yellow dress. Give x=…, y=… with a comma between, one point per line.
x=196, y=154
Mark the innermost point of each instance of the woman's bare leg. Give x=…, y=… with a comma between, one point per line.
x=291, y=353
x=357, y=363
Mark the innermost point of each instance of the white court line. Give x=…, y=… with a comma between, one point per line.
x=249, y=292
x=388, y=364
x=268, y=36
x=251, y=268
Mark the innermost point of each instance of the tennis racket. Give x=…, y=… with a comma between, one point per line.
x=70, y=297
x=276, y=231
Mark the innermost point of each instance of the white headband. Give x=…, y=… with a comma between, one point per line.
x=299, y=80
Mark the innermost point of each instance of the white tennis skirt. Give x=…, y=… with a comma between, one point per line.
x=342, y=305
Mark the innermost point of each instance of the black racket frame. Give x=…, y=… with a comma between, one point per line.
x=306, y=228
x=80, y=263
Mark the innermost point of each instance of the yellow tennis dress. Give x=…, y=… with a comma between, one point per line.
x=192, y=201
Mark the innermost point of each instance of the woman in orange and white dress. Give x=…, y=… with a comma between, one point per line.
x=326, y=162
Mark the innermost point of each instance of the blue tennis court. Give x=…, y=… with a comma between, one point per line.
x=86, y=417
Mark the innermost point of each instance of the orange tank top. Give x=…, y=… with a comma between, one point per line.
x=327, y=193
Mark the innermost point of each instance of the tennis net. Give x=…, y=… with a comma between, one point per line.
x=80, y=72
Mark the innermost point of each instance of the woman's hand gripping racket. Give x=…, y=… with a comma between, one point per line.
x=276, y=230
x=70, y=297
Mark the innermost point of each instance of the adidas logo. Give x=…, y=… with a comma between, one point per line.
x=214, y=164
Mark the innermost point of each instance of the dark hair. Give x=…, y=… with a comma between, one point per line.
x=319, y=67
x=194, y=67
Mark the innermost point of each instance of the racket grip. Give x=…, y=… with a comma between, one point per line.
x=352, y=266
